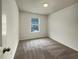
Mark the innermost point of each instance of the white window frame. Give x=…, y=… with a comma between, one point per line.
x=37, y=24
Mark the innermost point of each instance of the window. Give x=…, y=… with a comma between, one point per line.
x=34, y=25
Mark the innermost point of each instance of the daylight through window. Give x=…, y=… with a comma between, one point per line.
x=35, y=25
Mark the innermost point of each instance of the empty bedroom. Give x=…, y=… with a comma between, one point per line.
x=39, y=29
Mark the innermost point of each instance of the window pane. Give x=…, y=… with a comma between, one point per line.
x=35, y=28
x=34, y=20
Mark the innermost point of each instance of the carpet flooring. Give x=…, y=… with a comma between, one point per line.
x=44, y=48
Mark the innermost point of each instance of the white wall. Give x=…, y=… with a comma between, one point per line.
x=0, y=24
x=62, y=26
x=11, y=38
x=25, y=25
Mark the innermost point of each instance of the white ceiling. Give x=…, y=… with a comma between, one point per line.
x=36, y=6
